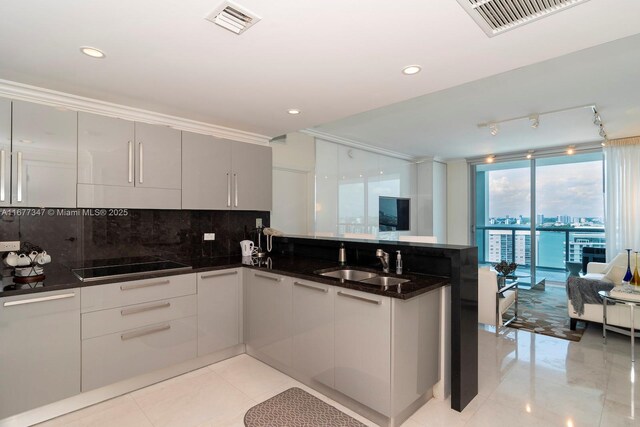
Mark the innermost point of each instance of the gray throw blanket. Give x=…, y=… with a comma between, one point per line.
x=585, y=291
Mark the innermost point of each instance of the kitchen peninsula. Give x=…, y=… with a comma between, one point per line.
x=285, y=314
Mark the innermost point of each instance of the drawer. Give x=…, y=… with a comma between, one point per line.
x=101, y=297
x=114, y=357
x=103, y=322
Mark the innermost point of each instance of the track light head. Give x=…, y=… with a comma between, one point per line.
x=534, y=121
x=494, y=129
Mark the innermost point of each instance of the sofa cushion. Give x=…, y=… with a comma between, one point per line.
x=596, y=276
x=615, y=274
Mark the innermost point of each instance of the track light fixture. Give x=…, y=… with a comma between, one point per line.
x=491, y=158
x=494, y=129
x=571, y=150
x=529, y=154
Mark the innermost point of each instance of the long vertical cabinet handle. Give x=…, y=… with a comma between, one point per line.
x=130, y=162
x=19, y=176
x=2, y=172
x=235, y=191
x=228, y=190
x=141, y=152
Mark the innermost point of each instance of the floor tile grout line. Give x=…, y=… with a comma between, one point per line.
x=141, y=410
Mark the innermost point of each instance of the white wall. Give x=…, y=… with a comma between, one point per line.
x=458, y=202
x=293, y=184
x=432, y=199
x=440, y=208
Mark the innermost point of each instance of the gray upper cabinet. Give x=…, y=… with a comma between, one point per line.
x=223, y=174
x=5, y=152
x=105, y=150
x=44, y=153
x=158, y=153
x=40, y=349
x=252, y=177
x=206, y=172
x=122, y=164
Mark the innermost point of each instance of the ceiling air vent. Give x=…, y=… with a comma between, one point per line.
x=233, y=17
x=498, y=16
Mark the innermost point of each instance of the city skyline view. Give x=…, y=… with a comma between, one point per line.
x=574, y=190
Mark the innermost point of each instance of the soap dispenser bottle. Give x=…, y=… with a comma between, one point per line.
x=398, y=263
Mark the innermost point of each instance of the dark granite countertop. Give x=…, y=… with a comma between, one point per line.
x=60, y=277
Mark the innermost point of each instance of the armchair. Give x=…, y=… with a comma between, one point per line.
x=494, y=302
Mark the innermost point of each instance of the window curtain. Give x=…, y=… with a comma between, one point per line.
x=622, y=195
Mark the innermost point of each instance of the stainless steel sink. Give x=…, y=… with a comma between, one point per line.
x=355, y=275
x=384, y=281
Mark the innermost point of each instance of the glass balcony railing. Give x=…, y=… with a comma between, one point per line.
x=555, y=246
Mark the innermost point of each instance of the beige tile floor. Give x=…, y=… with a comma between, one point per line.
x=525, y=380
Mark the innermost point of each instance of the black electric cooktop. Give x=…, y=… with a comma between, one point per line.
x=129, y=267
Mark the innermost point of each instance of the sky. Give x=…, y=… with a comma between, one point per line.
x=574, y=189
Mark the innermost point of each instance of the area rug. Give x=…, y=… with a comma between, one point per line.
x=545, y=312
x=297, y=408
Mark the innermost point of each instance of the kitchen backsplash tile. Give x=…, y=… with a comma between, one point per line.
x=75, y=237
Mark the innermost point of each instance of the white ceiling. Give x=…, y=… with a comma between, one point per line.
x=330, y=58
x=444, y=124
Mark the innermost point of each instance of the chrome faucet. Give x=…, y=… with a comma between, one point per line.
x=384, y=258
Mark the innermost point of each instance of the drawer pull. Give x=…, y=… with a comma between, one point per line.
x=136, y=310
x=42, y=299
x=143, y=285
x=143, y=332
x=371, y=301
x=311, y=287
x=262, y=276
x=227, y=273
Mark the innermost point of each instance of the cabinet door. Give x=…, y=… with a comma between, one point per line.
x=5, y=152
x=363, y=348
x=252, y=177
x=39, y=350
x=269, y=316
x=313, y=330
x=218, y=310
x=158, y=157
x=105, y=150
x=44, y=156
x=206, y=172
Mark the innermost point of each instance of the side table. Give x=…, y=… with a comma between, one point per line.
x=632, y=304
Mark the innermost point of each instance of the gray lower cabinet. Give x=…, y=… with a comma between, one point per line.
x=44, y=156
x=363, y=348
x=219, y=310
x=39, y=349
x=313, y=335
x=268, y=310
x=131, y=328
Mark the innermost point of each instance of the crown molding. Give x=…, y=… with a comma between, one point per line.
x=357, y=144
x=23, y=92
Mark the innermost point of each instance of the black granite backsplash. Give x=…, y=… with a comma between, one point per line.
x=73, y=236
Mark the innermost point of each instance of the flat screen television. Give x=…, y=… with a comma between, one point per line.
x=394, y=214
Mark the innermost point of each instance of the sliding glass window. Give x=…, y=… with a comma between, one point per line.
x=539, y=213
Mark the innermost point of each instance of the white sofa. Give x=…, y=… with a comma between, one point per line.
x=612, y=272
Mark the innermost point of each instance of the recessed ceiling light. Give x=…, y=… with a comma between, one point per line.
x=92, y=52
x=293, y=111
x=571, y=150
x=491, y=158
x=411, y=69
